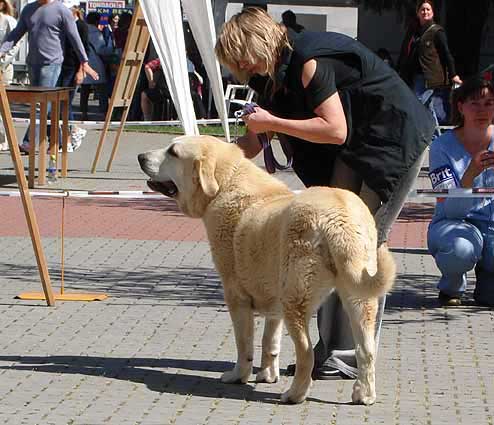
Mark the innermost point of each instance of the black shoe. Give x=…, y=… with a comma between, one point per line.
x=483, y=297
x=324, y=373
x=481, y=302
x=449, y=300
x=24, y=149
x=327, y=373
x=290, y=370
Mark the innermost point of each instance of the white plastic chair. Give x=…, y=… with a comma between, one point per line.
x=234, y=93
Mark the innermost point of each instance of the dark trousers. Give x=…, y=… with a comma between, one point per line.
x=102, y=92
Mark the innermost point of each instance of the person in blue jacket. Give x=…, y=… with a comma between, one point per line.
x=351, y=122
x=461, y=233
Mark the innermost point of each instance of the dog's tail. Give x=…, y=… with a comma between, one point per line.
x=376, y=283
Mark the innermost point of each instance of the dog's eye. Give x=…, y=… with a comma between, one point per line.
x=172, y=151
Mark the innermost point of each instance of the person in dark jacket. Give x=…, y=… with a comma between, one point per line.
x=352, y=123
x=71, y=74
x=426, y=63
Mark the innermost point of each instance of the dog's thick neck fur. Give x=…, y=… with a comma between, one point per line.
x=241, y=176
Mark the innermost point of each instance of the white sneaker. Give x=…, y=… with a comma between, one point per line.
x=69, y=148
x=79, y=132
x=76, y=135
x=4, y=146
x=76, y=144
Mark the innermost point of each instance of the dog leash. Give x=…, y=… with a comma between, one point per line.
x=270, y=160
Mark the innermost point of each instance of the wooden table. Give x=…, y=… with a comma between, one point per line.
x=59, y=98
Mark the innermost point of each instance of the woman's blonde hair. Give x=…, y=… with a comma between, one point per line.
x=254, y=37
x=9, y=9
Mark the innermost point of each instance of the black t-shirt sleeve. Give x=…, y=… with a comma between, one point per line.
x=322, y=85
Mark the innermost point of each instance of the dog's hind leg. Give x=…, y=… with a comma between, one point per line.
x=243, y=326
x=362, y=315
x=271, y=343
x=297, y=323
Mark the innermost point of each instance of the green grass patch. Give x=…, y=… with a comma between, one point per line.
x=210, y=129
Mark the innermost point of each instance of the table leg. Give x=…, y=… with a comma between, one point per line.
x=32, y=146
x=42, y=144
x=65, y=132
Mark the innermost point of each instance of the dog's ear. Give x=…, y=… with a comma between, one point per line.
x=204, y=170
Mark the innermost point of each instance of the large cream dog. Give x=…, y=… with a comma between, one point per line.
x=279, y=254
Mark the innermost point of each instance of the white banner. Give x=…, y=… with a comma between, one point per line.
x=200, y=16
x=164, y=20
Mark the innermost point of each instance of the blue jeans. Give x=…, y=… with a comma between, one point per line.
x=45, y=76
x=436, y=100
x=457, y=247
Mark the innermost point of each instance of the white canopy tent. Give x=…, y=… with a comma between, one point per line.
x=164, y=21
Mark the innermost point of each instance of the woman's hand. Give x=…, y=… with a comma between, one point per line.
x=260, y=121
x=485, y=159
x=480, y=162
x=457, y=80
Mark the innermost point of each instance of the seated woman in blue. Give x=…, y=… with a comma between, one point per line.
x=461, y=234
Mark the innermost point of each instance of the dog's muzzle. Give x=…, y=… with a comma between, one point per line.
x=167, y=188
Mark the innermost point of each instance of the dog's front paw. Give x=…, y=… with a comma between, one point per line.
x=269, y=375
x=362, y=394
x=293, y=397
x=234, y=377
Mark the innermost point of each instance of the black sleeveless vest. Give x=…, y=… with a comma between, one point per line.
x=388, y=128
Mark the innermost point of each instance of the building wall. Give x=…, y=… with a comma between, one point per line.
x=381, y=30
x=313, y=18
x=487, y=44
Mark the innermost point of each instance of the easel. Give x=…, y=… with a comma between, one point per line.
x=26, y=197
x=126, y=81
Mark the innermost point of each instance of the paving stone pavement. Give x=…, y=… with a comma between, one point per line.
x=153, y=352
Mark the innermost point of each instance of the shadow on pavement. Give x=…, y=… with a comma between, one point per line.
x=6, y=180
x=159, y=205
x=419, y=292
x=186, y=286
x=414, y=212
x=140, y=371
x=201, y=286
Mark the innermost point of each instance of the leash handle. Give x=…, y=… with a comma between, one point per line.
x=270, y=161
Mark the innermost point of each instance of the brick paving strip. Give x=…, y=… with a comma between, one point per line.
x=150, y=219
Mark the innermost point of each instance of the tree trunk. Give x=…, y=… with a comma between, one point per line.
x=464, y=26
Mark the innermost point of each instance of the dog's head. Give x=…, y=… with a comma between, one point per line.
x=188, y=170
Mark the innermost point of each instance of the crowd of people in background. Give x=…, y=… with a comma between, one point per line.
x=425, y=63
x=84, y=51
